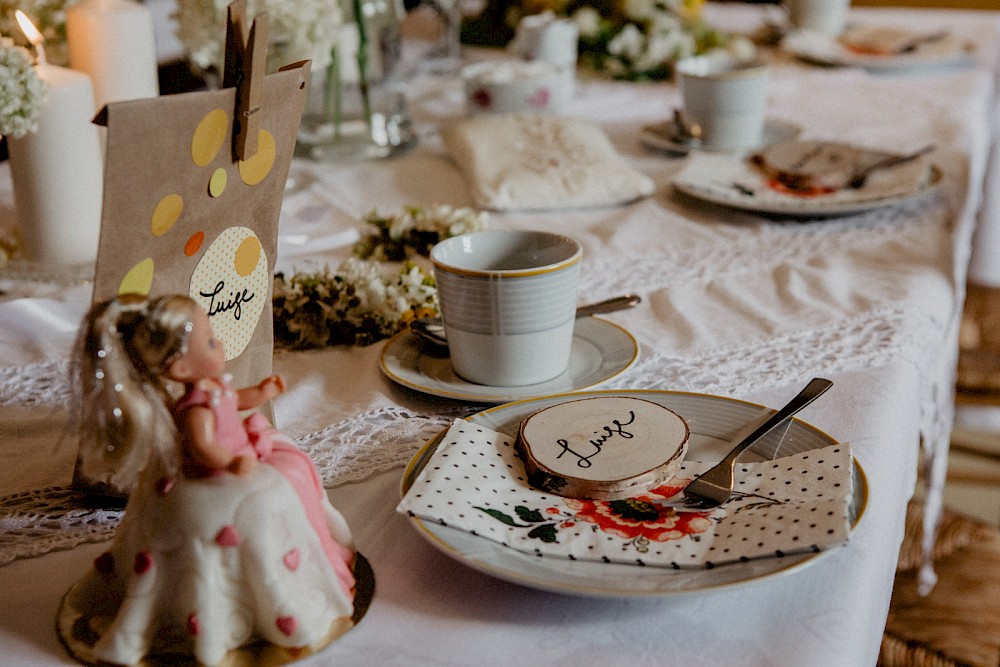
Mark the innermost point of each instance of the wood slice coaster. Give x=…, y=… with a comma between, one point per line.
x=605, y=448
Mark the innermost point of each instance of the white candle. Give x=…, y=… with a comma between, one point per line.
x=112, y=41
x=57, y=171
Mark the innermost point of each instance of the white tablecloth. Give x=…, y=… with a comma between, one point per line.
x=734, y=304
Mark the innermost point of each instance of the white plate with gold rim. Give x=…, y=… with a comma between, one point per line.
x=601, y=351
x=713, y=421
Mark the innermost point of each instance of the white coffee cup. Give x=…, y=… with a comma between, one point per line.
x=547, y=38
x=726, y=98
x=826, y=17
x=508, y=301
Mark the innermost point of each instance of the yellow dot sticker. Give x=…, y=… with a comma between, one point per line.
x=139, y=279
x=209, y=137
x=231, y=283
x=246, y=257
x=217, y=184
x=256, y=168
x=166, y=214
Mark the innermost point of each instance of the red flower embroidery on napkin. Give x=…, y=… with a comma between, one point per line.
x=641, y=516
x=639, y=520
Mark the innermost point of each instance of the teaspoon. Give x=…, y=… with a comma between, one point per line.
x=431, y=329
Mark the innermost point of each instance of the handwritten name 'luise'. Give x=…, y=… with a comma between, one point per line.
x=218, y=304
x=616, y=428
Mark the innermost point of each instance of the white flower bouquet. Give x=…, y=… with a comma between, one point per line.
x=21, y=90
x=299, y=30
x=625, y=39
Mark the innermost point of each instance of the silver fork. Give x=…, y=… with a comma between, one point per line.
x=715, y=486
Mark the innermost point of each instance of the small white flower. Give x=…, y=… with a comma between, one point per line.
x=628, y=43
x=639, y=10
x=299, y=29
x=588, y=20
x=742, y=48
x=21, y=91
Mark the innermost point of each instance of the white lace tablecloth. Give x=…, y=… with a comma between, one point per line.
x=733, y=303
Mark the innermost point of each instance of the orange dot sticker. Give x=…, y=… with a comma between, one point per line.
x=217, y=184
x=255, y=169
x=247, y=255
x=166, y=213
x=139, y=279
x=193, y=244
x=209, y=137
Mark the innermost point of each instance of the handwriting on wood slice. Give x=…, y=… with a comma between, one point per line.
x=603, y=448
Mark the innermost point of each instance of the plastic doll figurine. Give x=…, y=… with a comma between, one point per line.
x=228, y=536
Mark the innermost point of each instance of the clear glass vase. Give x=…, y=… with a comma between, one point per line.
x=356, y=107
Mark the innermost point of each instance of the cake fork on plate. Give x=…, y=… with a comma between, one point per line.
x=715, y=486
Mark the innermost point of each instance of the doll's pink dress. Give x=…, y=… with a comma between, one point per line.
x=253, y=435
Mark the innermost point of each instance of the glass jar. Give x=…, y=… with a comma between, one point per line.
x=356, y=107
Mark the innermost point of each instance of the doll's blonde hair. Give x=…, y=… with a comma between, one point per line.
x=122, y=353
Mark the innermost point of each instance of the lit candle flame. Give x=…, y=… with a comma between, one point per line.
x=33, y=35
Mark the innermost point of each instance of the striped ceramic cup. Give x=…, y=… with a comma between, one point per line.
x=508, y=300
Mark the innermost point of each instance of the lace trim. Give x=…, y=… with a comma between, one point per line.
x=39, y=383
x=374, y=442
x=384, y=439
x=37, y=522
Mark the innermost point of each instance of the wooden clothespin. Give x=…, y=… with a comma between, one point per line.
x=244, y=69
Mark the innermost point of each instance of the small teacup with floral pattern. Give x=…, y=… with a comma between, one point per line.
x=506, y=86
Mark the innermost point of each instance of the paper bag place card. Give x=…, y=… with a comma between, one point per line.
x=476, y=482
x=602, y=448
x=187, y=211
x=192, y=192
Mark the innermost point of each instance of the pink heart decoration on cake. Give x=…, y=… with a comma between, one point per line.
x=287, y=625
x=164, y=485
x=292, y=559
x=227, y=537
x=540, y=99
x=143, y=561
x=105, y=563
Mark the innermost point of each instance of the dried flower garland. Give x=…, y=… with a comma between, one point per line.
x=357, y=304
x=365, y=300
x=416, y=229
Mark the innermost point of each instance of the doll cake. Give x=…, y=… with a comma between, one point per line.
x=228, y=541
x=204, y=568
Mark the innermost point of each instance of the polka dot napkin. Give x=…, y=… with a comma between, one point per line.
x=476, y=482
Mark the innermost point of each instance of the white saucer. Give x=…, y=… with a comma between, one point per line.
x=662, y=136
x=601, y=351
